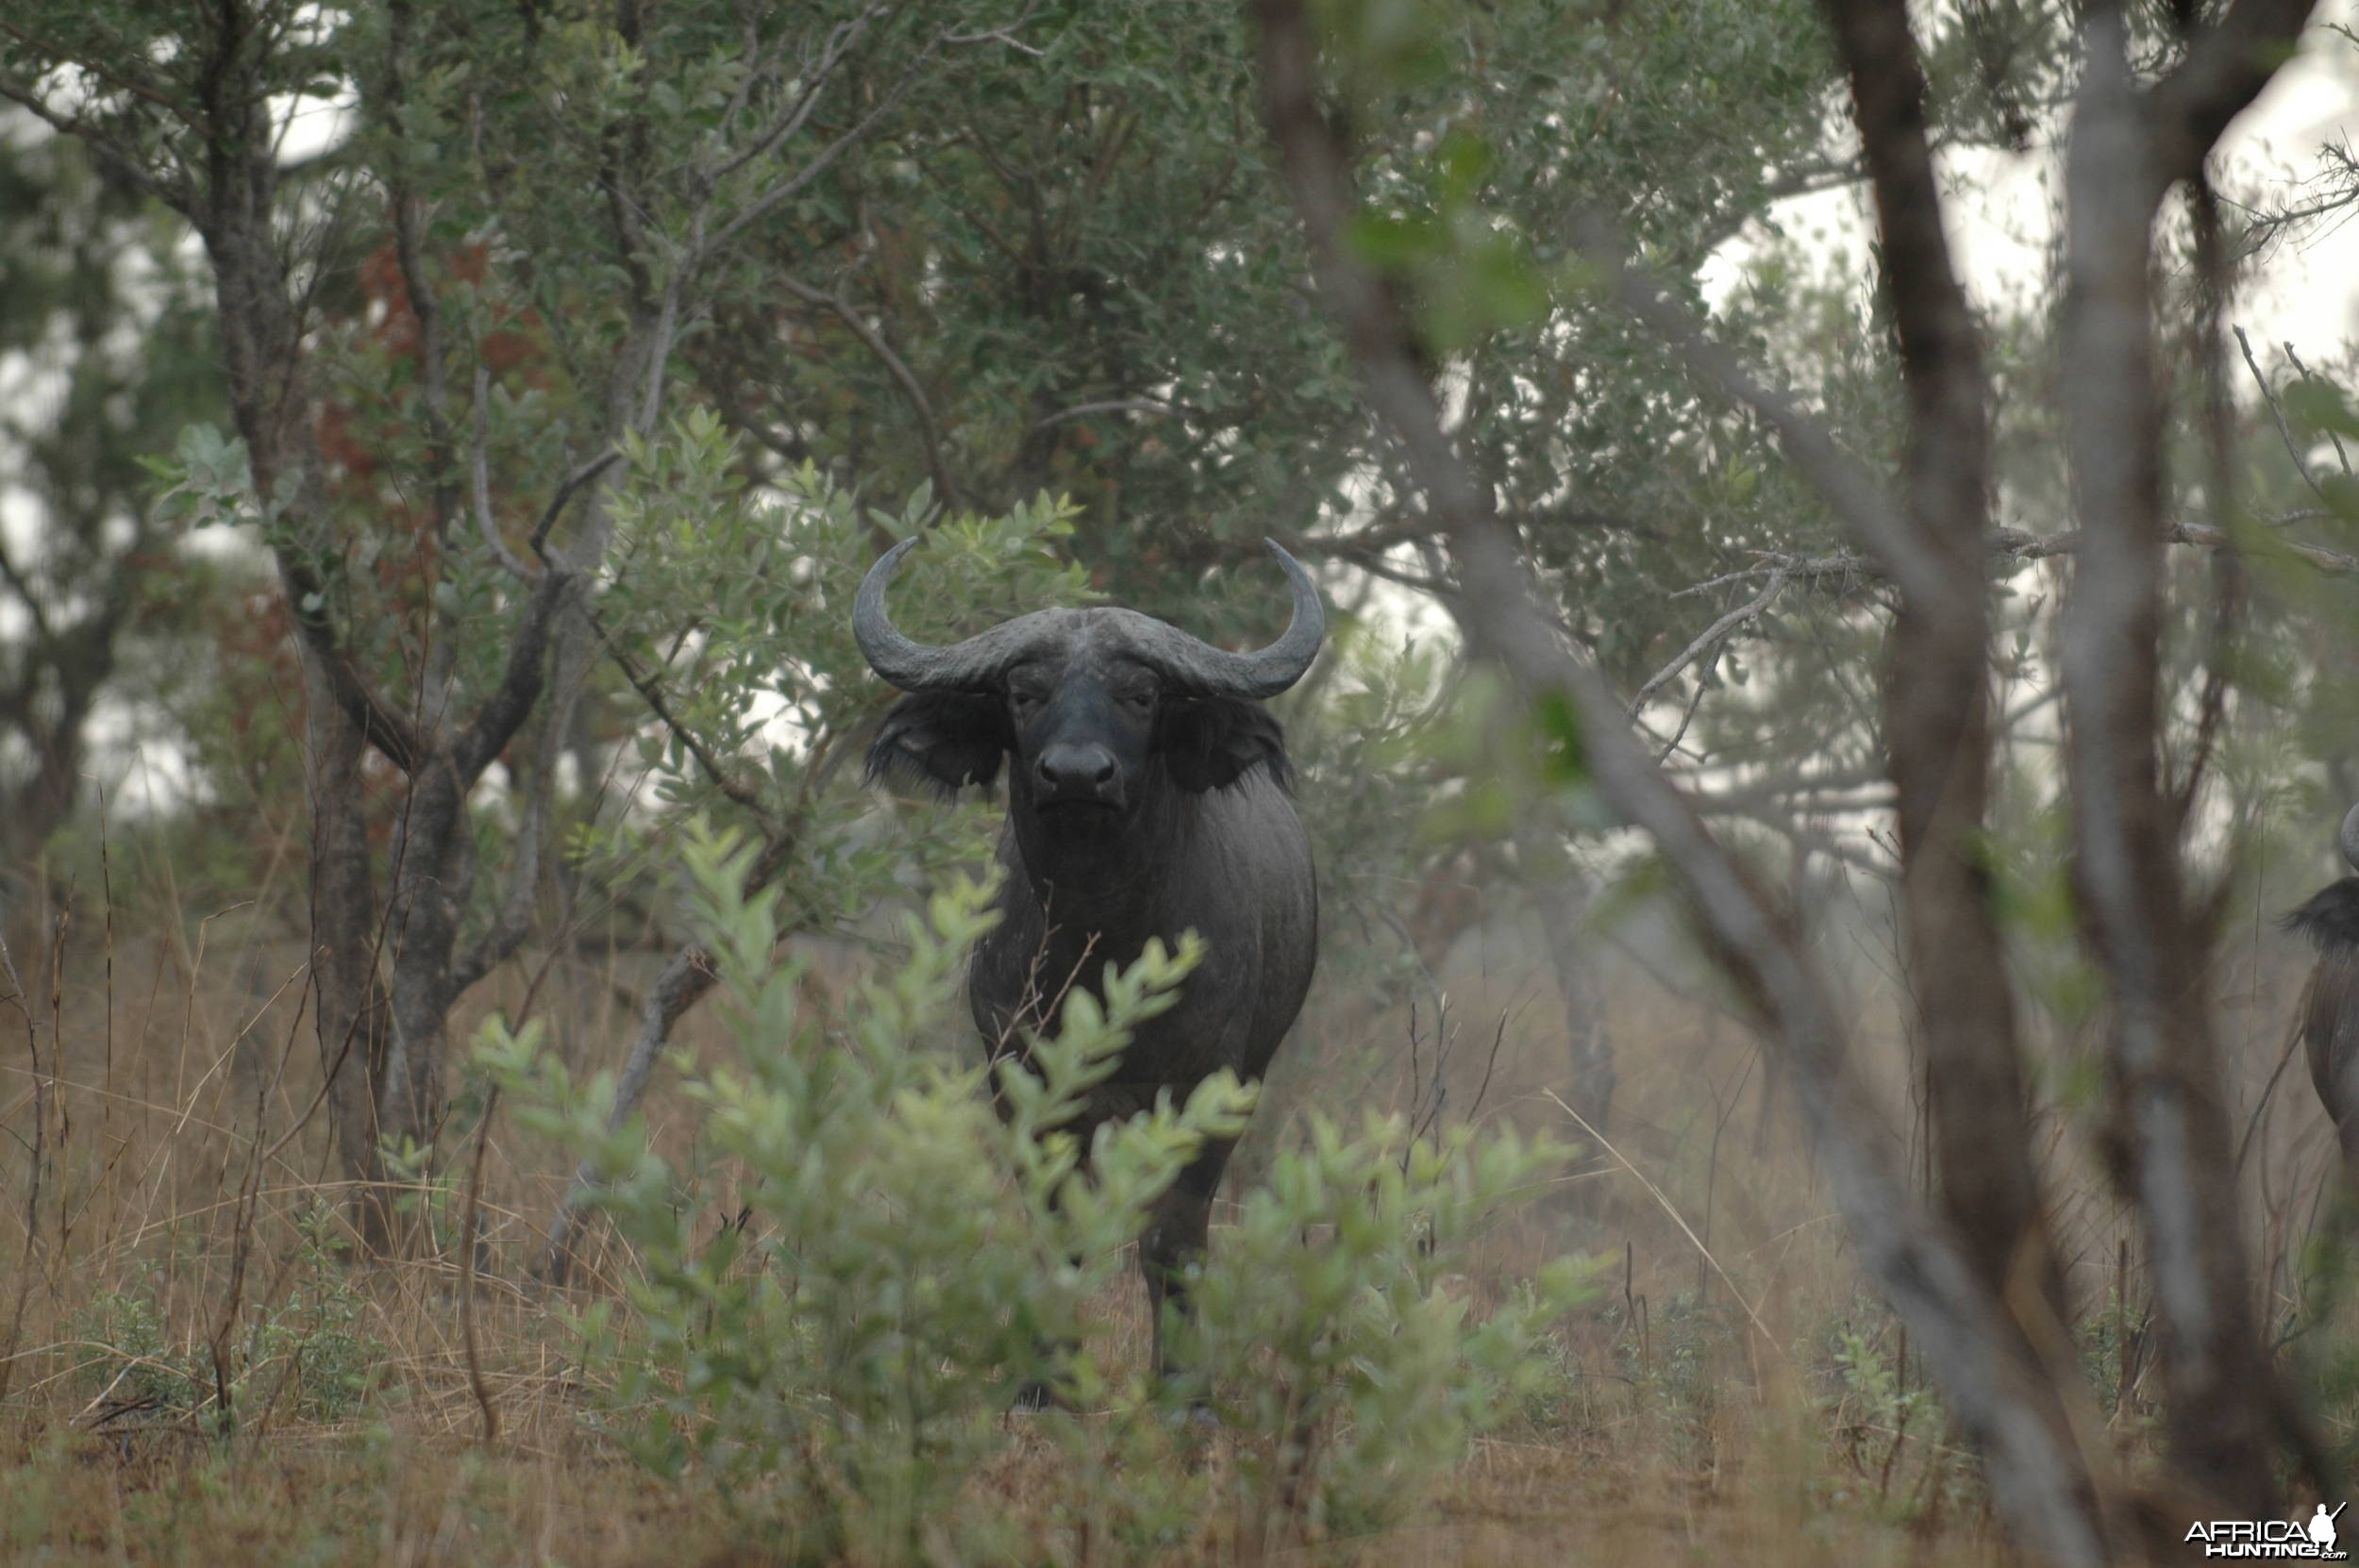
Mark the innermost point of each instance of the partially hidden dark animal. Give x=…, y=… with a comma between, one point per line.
x=2330, y=1023
x=1147, y=796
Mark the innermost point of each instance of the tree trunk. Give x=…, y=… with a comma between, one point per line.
x=350, y=1012
x=2006, y=1401
x=1937, y=688
x=2221, y=1418
x=1561, y=896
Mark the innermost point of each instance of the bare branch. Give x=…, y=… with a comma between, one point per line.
x=2004, y=547
x=480, y=467
x=114, y=154
x=682, y=984
x=379, y=723
x=831, y=55
x=2303, y=371
x=946, y=486
x=1711, y=638
x=35, y=608
x=514, y=921
x=732, y=784
x=2276, y=412
x=1854, y=495
x=1110, y=406
x=821, y=161
x=1005, y=34
x=565, y=493
x=511, y=702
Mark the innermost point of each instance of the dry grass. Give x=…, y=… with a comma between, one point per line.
x=183, y=1147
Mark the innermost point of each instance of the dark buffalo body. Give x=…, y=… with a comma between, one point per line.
x=1147, y=796
x=2330, y=1024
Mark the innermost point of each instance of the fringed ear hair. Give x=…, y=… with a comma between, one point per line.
x=1209, y=743
x=941, y=741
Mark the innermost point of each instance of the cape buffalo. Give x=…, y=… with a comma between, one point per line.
x=2330, y=1024
x=1147, y=796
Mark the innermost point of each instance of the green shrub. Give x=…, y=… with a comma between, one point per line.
x=914, y=1260
x=840, y=1357
x=301, y=1355
x=1333, y=1330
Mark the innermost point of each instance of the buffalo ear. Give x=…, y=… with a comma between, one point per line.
x=1209, y=743
x=941, y=740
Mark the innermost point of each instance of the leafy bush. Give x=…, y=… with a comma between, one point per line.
x=1893, y=1435
x=302, y=1355
x=916, y=1260
x=908, y=1260
x=1335, y=1335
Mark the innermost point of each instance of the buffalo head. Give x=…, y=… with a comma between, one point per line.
x=1096, y=708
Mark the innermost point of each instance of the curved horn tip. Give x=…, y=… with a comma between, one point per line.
x=897, y=658
x=1295, y=573
x=2346, y=838
x=881, y=571
x=1285, y=557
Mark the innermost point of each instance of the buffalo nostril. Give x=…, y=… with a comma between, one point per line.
x=1069, y=769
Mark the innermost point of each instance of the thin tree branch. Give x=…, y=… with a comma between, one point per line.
x=1854, y=495
x=831, y=55
x=2342, y=457
x=1110, y=406
x=513, y=921
x=34, y=606
x=573, y=483
x=2004, y=547
x=821, y=161
x=2276, y=412
x=108, y=73
x=510, y=703
x=122, y=159
x=731, y=785
x=946, y=486
x=684, y=982
x=480, y=477
x=1708, y=641
x=379, y=723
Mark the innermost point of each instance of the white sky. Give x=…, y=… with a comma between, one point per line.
x=2002, y=207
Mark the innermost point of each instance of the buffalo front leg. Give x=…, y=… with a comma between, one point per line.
x=1175, y=1242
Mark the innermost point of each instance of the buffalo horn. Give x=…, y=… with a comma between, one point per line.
x=980, y=661
x=1197, y=667
x=976, y=664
